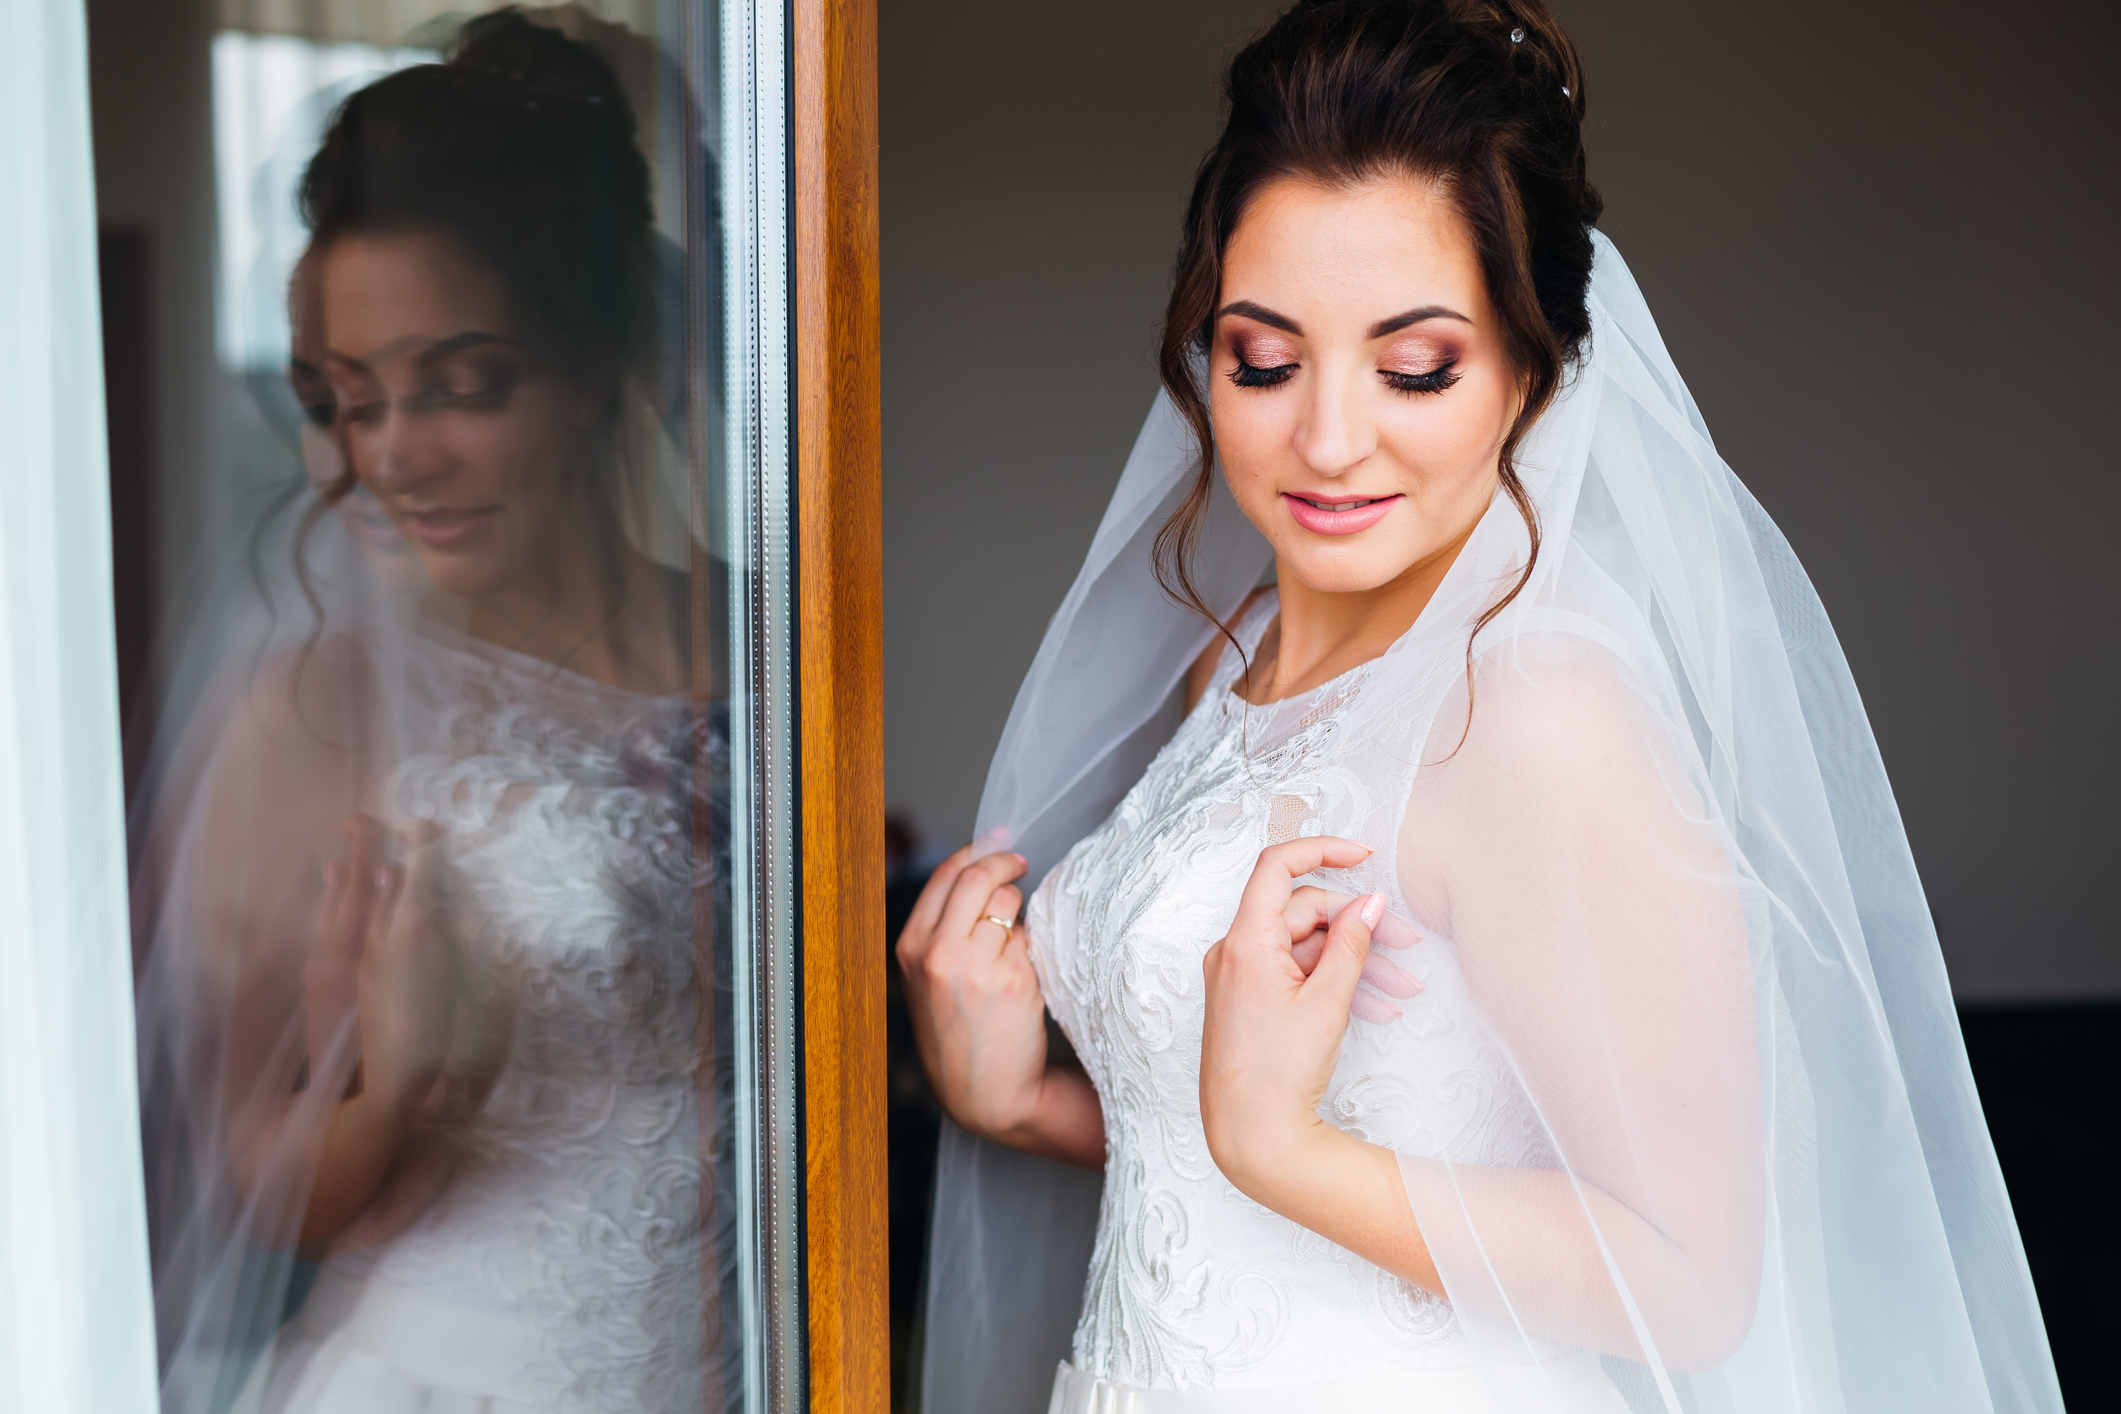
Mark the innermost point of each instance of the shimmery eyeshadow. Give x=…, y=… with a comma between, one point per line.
x=1416, y=356
x=1264, y=352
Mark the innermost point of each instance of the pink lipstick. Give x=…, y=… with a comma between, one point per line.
x=1343, y=516
x=441, y=530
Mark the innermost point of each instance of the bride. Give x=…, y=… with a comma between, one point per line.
x=436, y=1077
x=1495, y=974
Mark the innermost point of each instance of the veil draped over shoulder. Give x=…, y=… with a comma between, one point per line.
x=1648, y=815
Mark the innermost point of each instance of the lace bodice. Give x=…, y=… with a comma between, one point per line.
x=579, y=1185
x=1191, y=1284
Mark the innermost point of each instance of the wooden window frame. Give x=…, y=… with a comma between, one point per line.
x=838, y=439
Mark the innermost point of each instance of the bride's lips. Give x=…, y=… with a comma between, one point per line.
x=1354, y=513
x=442, y=529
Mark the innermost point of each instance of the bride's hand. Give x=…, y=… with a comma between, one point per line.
x=382, y=948
x=382, y=984
x=409, y=976
x=978, y=1015
x=1316, y=909
x=1271, y=1035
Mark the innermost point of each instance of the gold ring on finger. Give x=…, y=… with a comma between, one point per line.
x=1007, y=925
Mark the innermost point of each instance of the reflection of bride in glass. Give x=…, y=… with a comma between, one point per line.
x=435, y=1076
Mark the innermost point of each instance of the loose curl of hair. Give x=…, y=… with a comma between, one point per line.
x=1484, y=98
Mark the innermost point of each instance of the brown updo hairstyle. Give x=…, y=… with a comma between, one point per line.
x=1483, y=98
x=521, y=150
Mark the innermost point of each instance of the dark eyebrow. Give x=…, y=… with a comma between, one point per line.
x=1377, y=331
x=1264, y=315
x=470, y=339
x=1414, y=316
x=433, y=354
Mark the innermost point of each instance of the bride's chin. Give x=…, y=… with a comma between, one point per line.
x=462, y=576
x=1344, y=569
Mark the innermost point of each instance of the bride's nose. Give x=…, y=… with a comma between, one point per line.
x=407, y=450
x=1335, y=432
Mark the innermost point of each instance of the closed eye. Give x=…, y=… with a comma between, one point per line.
x=482, y=394
x=1247, y=375
x=1435, y=380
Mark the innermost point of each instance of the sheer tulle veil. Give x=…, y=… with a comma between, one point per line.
x=1879, y=1263
x=311, y=630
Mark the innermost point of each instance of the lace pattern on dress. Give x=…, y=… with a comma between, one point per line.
x=585, y=1188
x=1191, y=1285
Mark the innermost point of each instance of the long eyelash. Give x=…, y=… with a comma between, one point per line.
x=1436, y=380
x=1247, y=375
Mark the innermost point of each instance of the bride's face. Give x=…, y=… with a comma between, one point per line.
x=465, y=437
x=1360, y=387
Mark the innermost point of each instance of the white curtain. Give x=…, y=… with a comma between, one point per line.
x=76, y=1330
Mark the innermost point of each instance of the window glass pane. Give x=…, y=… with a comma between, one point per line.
x=452, y=451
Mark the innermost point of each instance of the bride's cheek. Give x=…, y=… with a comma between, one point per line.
x=1253, y=492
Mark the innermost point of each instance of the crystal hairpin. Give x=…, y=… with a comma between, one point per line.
x=1517, y=35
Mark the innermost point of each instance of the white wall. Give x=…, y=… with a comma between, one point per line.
x=1878, y=235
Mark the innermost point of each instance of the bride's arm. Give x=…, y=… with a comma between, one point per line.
x=1270, y=1039
x=979, y=1017
x=323, y=987
x=379, y=992
x=1602, y=927
x=1599, y=926
x=978, y=1014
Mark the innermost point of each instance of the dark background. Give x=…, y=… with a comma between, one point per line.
x=1879, y=237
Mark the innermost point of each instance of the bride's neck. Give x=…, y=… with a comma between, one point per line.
x=1320, y=634
x=601, y=613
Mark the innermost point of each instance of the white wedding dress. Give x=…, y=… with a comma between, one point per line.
x=1198, y=1298
x=568, y=1253
x=1684, y=1082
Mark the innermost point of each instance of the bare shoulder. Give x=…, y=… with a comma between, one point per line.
x=1555, y=703
x=1568, y=757
x=1203, y=670
x=321, y=696
x=1548, y=717
x=299, y=727
x=298, y=746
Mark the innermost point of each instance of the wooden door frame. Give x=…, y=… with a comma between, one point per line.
x=839, y=591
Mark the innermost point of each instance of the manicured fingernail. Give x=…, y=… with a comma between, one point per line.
x=1020, y=859
x=1373, y=908
x=382, y=880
